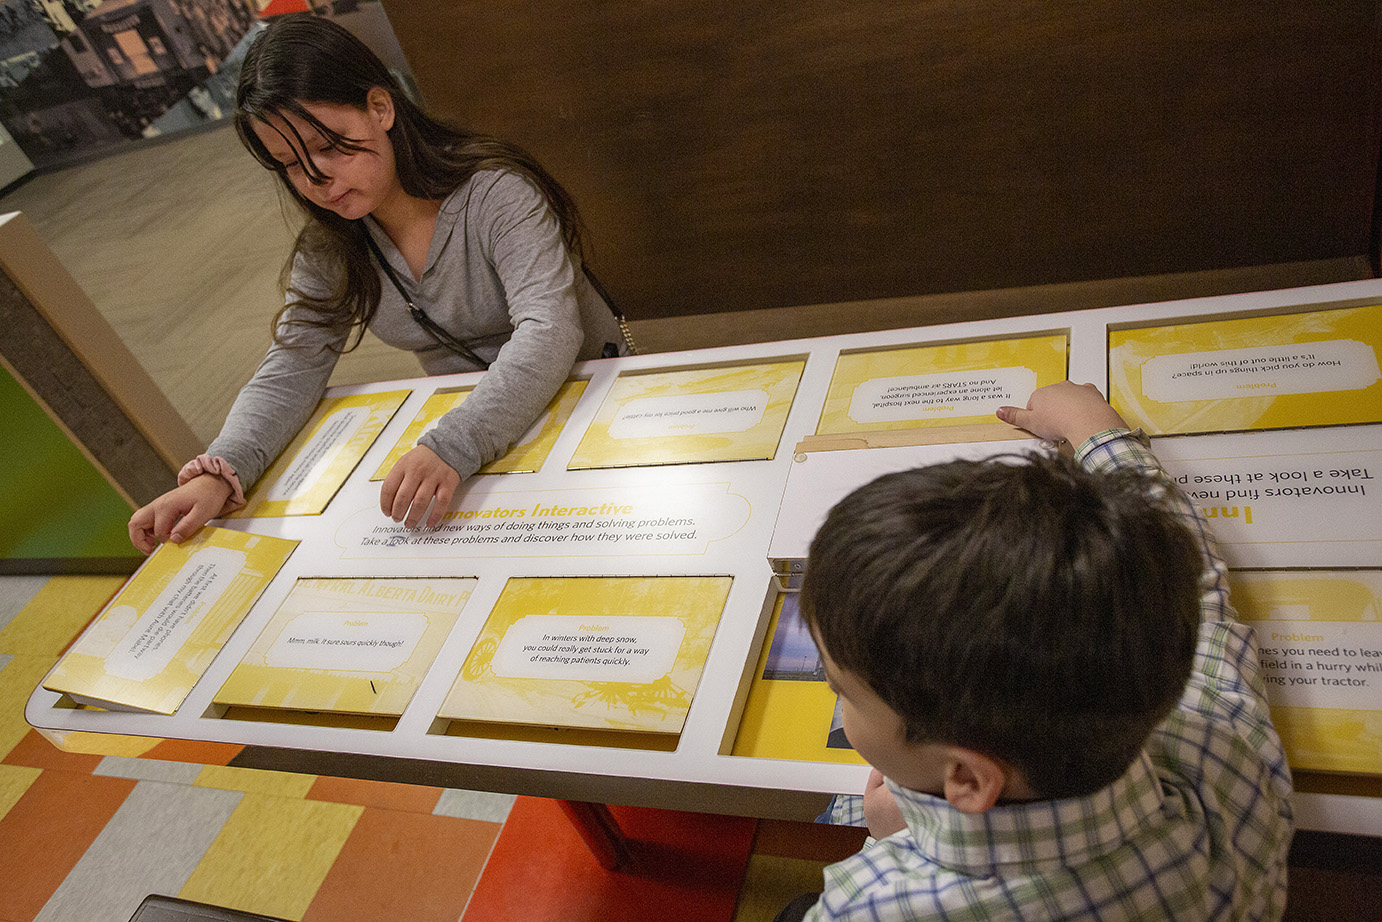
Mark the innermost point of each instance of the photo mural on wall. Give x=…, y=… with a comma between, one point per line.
x=79, y=78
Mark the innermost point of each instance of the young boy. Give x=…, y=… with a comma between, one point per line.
x=1039, y=659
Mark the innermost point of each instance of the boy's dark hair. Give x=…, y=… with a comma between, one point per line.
x=1020, y=607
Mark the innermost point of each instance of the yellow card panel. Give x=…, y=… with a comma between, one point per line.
x=564, y=736
x=358, y=646
x=1319, y=633
x=441, y=402
x=612, y=653
x=310, y=718
x=947, y=385
x=315, y=464
x=691, y=415
x=789, y=718
x=1309, y=369
x=160, y=633
x=107, y=744
x=525, y=456
x=1336, y=740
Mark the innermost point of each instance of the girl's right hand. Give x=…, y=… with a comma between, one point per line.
x=418, y=480
x=176, y=515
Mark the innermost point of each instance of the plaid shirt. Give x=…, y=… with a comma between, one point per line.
x=1197, y=828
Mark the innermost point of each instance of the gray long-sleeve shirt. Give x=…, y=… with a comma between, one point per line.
x=498, y=277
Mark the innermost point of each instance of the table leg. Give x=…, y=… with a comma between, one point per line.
x=600, y=831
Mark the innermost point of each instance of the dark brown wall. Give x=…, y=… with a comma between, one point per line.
x=732, y=155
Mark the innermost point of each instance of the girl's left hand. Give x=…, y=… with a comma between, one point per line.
x=418, y=479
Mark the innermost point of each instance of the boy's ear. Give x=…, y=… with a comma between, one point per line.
x=973, y=781
x=379, y=104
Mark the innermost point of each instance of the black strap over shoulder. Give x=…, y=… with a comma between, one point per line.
x=434, y=329
x=618, y=316
x=461, y=348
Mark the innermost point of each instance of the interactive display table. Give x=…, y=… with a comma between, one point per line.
x=595, y=507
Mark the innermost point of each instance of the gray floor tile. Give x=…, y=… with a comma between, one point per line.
x=474, y=805
x=152, y=844
x=16, y=592
x=149, y=769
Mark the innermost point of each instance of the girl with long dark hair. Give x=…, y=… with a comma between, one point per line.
x=451, y=244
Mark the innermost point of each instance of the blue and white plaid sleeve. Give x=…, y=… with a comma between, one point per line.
x=1132, y=849
x=844, y=810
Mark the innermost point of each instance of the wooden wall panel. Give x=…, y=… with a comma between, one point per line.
x=732, y=155
x=85, y=435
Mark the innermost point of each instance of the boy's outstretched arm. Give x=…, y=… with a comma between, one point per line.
x=1220, y=736
x=1066, y=412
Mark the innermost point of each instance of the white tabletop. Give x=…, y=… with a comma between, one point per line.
x=735, y=507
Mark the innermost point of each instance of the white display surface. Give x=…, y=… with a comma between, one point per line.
x=820, y=479
x=1294, y=498
x=695, y=520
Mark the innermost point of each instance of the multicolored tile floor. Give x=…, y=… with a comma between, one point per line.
x=88, y=831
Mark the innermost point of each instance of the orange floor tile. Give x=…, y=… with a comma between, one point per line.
x=686, y=866
x=413, y=798
x=36, y=752
x=398, y=865
x=194, y=751
x=47, y=831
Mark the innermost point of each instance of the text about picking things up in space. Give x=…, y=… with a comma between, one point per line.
x=1300, y=368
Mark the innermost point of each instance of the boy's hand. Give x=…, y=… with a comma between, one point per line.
x=176, y=515
x=1065, y=412
x=416, y=480
x=880, y=810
